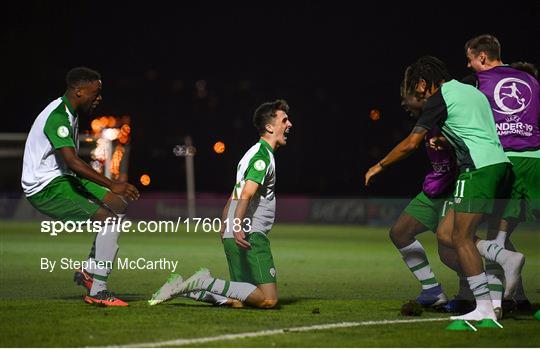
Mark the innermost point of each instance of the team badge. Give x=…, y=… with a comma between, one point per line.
x=259, y=165
x=62, y=132
x=273, y=272
x=512, y=96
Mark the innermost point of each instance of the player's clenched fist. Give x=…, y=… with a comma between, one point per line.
x=126, y=190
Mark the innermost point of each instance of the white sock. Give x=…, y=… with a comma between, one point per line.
x=229, y=289
x=415, y=257
x=207, y=297
x=492, y=251
x=501, y=238
x=495, y=277
x=106, y=249
x=98, y=285
x=479, y=287
x=91, y=263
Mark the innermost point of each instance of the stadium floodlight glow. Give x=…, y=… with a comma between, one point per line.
x=110, y=133
x=375, y=114
x=145, y=180
x=219, y=147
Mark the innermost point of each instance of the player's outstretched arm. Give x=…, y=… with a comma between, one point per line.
x=81, y=168
x=405, y=148
x=250, y=188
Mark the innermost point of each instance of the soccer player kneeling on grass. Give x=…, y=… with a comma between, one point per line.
x=247, y=219
x=62, y=186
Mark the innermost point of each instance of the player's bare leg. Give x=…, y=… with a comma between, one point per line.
x=465, y=225
x=463, y=302
x=445, y=228
x=403, y=235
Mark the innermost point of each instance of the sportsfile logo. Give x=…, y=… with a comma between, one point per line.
x=205, y=225
x=54, y=227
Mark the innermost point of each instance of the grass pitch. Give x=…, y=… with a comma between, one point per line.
x=326, y=274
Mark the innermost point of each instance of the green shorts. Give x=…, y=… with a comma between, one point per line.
x=69, y=198
x=254, y=265
x=427, y=211
x=477, y=190
x=525, y=196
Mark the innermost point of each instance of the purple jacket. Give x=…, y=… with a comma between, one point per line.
x=442, y=176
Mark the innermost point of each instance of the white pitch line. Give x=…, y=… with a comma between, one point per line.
x=190, y=341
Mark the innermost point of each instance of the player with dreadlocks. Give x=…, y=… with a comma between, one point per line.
x=464, y=116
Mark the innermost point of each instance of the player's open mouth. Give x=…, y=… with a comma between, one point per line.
x=286, y=134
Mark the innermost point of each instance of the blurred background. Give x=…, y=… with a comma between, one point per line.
x=200, y=69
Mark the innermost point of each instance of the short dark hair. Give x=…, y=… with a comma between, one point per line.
x=485, y=43
x=526, y=67
x=266, y=112
x=429, y=68
x=81, y=75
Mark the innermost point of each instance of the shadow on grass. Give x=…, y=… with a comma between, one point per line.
x=188, y=303
x=128, y=297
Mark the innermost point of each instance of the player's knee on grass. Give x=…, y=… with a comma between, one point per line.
x=258, y=299
x=268, y=303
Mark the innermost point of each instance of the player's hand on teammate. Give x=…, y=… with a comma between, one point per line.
x=372, y=172
x=126, y=190
x=239, y=237
x=438, y=143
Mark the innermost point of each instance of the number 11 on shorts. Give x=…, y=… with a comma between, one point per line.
x=460, y=188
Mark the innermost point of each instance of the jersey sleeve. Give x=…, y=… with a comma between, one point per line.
x=434, y=112
x=59, y=131
x=256, y=171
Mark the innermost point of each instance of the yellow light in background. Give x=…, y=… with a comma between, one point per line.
x=219, y=147
x=375, y=114
x=145, y=180
x=125, y=129
x=96, y=126
x=116, y=161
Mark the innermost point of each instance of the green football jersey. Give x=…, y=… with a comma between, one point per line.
x=54, y=128
x=256, y=165
x=466, y=120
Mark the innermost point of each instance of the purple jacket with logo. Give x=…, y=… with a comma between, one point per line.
x=442, y=176
x=515, y=101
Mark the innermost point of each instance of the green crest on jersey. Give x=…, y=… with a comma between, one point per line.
x=259, y=165
x=62, y=132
